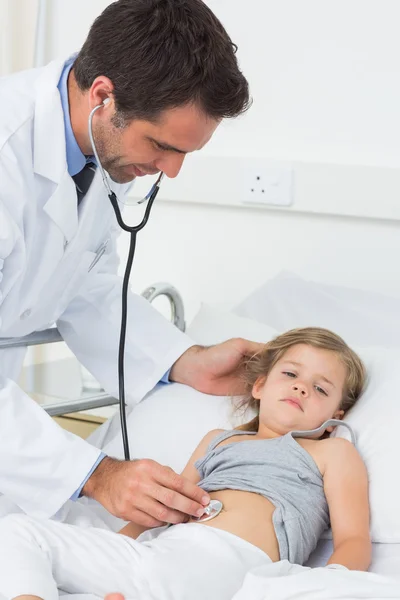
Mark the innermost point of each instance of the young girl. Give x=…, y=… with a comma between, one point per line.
x=279, y=484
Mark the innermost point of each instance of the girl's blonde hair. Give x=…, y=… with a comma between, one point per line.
x=260, y=365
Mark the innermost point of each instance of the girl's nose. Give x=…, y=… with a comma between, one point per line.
x=297, y=387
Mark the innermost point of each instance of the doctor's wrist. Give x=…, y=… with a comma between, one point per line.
x=95, y=484
x=185, y=369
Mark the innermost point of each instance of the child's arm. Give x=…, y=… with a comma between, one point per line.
x=133, y=530
x=346, y=490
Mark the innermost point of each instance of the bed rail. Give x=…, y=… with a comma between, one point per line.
x=52, y=335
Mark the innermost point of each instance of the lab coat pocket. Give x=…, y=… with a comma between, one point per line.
x=77, y=279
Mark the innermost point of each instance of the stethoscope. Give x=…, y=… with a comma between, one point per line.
x=149, y=198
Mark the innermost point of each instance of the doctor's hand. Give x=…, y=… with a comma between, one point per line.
x=216, y=369
x=145, y=492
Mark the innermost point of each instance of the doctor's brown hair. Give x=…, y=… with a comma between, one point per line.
x=260, y=365
x=162, y=54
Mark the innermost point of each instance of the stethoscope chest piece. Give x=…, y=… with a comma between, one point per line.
x=210, y=511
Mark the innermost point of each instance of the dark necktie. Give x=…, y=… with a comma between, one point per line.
x=83, y=179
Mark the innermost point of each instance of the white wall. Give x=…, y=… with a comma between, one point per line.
x=325, y=77
x=18, y=19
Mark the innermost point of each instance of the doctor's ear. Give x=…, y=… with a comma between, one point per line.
x=101, y=92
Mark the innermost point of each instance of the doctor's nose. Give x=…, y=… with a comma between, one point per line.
x=171, y=165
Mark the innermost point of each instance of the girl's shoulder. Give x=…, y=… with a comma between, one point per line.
x=325, y=451
x=333, y=445
x=211, y=437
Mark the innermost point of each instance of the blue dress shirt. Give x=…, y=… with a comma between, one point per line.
x=76, y=160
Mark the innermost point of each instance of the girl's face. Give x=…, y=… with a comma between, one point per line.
x=303, y=389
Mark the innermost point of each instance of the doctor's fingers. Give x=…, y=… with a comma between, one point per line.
x=141, y=518
x=165, y=504
x=149, y=511
x=171, y=506
x=179, y=493
x=169, y=488
x=155, y=490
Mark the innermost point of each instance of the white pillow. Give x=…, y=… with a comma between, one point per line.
x=362, y=318
x=169, y=423
x=376, y=419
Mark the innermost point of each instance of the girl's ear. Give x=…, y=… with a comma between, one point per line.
x=339, y=414
x=257, y=387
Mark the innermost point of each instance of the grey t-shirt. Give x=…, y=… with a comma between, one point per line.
x=283, y=472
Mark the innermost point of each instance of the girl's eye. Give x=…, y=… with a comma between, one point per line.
x=289, y=373
x=320, y=390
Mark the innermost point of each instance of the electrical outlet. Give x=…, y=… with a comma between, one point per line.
x=264, y=182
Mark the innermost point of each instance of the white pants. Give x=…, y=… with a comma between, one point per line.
x=187, y=561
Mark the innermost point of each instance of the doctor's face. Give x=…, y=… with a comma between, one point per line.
x=145, y=148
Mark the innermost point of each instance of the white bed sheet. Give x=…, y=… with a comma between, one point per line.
x=385, y=562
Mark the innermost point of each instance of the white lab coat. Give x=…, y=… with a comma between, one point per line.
x=46, y=251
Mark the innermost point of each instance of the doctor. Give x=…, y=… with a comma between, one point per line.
x=169, y=72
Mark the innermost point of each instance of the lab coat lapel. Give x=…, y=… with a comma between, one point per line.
x=62, y=207
x=50, y=153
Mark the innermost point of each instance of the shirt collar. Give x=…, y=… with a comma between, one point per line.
x=76, y=160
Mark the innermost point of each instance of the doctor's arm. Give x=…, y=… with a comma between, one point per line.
x=90, y=325
x=346, y=490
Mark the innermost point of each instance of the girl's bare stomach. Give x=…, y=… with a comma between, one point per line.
x=248, y=516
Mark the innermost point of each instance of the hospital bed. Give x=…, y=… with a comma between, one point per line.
x=179, y=416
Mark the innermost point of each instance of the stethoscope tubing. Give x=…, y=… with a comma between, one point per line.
x=132, y=230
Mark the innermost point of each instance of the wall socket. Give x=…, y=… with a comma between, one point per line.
x=267, y=182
